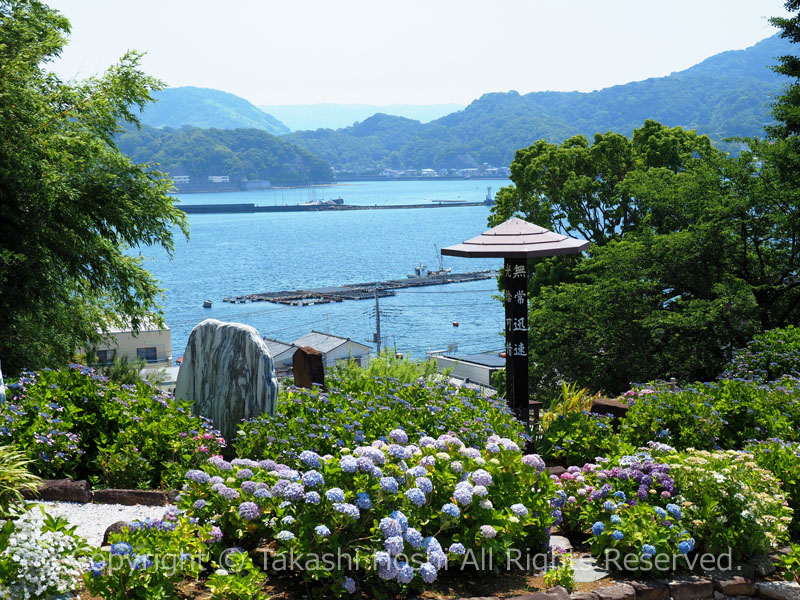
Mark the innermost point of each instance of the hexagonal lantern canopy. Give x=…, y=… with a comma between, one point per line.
x=516, y=241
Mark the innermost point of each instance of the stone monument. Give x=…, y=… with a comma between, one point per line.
x=228, y=374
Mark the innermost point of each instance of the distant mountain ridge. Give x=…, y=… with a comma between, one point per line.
x=206, y=108
x=726, y=95
x=302, y=117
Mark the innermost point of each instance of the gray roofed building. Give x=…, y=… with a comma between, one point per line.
x=334, y=349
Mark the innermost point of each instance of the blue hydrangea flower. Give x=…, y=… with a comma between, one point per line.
x=416, y=495
x=390, y=527
x=288, y=520
x=675, y=510
x=617, y=534
x=351, y=510
x=451, y=510
x=660, y=512
x=313, y=479
x=199, y=504
x=310, y=459
x=98, y=568
x=322, y=531
x=397, y=451
x=141, y=562
x=424, y=484
x=349, y=585
x=262, y=493
x=405, y=573
x=400, y=518
x=394, y=545
x=428, y=572
x=463, y=494
x=363, y=501
x=389, y=484
x=609, y=505
x=457, y=549
x=598, y=528
x=431, y=544
x=684, y=547
x=413, y=537
x=399, y=436
x=520, y=510
x=488, y=531
x=348, y=464
x=437, y=558
x=121, y=548
x=620, y=496
x=648, y=550
x=616, y=519
x=312, y=498
x=335, y=495
x=285, y=536
x=382, y=558
x=294, y=491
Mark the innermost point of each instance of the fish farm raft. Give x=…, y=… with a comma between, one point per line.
x=358, y=291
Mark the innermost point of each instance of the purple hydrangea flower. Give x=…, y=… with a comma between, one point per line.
x=348, y=464
x=405, y=573
x=249, y=486
x=397, y=451
x=216, y=534
x=413, y=537
x=349, y=585
x=199, y=504
x=312, y=498
x=482, y=477
x=285, y=536
x=399, y=436
x=294, y=491
x=244, y=474
x=457, y=549
x=229, y=493
x=424, y=484
x=364, y=463
x=198, y=476
x=322, y=531
x=249, y=511
x=480, y=491
x=262, y=493
x=488, y=531
x=463, y=493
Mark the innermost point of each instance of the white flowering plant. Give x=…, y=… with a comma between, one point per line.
x=41, y=557
x=729, y=501
x=396, y=514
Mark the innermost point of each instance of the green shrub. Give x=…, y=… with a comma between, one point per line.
x=387, y=365
x=730, y=502
x=723, y=414
x=77, y=423
x=575, y=438
x=782, y=459
x=358, y=408
x=770, y=355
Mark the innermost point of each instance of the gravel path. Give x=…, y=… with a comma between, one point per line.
x=93, y=519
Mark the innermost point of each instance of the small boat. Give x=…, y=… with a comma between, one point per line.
x=455, y=323
x=206, y=303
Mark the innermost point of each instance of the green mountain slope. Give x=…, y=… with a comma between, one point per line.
x=302, y=117
x=724, y=96
x=203, y=107
x=238, y=153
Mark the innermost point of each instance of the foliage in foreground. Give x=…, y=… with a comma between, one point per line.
x=358, y=407
x=15, y=479
x=66, y=270
x=76, y=423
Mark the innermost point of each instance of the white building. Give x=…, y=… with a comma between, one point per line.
x=334, y=349
x=219, y=178
x=477, y=368
x=152, y=343
x=180, y=179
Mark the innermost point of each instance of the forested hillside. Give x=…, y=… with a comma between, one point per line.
x=238, y=153
x=724, y=96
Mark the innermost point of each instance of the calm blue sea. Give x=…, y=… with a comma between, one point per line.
x=237, y=254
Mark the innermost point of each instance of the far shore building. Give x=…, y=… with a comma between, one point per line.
x=334, y=348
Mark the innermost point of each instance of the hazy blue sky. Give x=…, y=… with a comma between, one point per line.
x=414, y=51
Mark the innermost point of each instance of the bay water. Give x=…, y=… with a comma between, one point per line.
x=236, y=254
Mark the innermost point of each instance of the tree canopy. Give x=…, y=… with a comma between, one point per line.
x=73, y=206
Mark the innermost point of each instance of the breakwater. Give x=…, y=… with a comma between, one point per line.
x=254, y=208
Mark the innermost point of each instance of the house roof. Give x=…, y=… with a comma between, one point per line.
x=486, y=360
x=325, y=342
x=144, y=325
x=276, y=347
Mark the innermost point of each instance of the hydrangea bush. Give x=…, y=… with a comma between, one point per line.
x=40, y=557
x=357, y=409
x=400, y=511
x=730, y=502
x=782, y=459
x=770, y=355
x=76, y=423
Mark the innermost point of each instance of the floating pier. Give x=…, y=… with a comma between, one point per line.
x=358, y=291
x=314, y=207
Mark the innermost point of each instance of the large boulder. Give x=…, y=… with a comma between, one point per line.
x=228, y=374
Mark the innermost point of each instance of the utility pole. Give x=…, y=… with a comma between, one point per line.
x=377, y=322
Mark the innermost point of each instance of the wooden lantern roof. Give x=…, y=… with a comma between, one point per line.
x=517, y=239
